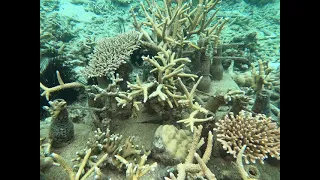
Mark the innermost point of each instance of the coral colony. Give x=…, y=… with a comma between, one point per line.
x=206, y=102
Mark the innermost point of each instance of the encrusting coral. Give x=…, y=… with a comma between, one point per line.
x=260, y=135
x=170, y=144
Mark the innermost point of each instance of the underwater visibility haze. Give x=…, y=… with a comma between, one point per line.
x=160, y=89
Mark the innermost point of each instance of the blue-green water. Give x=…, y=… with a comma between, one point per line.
x=156, y=70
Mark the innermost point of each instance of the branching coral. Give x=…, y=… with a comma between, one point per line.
x=61, y=86
x=188, y=168
x=107, y=143
x=176, y=24
x=193, y=106
x=79, y=174
x=260, y=79
x=109, y=98
x=136, y=171
x=168, y=69
x=110, y=53
x=240, y=167
x=256, y=80
x=259, y=134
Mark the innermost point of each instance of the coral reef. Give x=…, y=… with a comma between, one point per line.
x=260, y=135
x=156, y=85
x=165, y=91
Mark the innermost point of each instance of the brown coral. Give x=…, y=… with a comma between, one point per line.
x=259, y=134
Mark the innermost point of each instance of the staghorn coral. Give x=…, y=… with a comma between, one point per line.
x=166, y=91
x=169, y=70
x=176, y=24
x=107, y=143
x=79, y=173
x=256, y=80
x=103, y=104
x=259, y=80
x=110, y=53
x=260, y=135
x=189, y=170
x=245, y=175
x=61, y=86
x=136, y=171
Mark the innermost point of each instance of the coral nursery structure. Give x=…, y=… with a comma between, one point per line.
x=162, y=89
